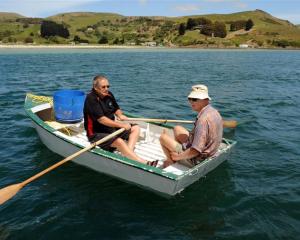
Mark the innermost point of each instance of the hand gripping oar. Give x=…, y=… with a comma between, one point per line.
x=10, y=191
x=226, y=123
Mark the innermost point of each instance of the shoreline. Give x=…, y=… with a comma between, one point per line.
x=67, y=46
x=70, y=46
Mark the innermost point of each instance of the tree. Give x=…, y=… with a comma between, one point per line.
x=49, y=28
x=191, y=23
x=237, y=25
x=207, y=30
x=203, y=21
x=103, y=40
x=281, y=43
x=181, y=29
x=217, y=29
x=76, y=38
x=220, y=29
x=12, y=39
x=28, y=40
x=249, y=24
x=116, y=41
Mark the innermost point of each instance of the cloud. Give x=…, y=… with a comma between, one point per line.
x=40, y=8
x=187, y=8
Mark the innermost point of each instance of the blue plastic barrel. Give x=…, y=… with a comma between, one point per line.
x=68, y=105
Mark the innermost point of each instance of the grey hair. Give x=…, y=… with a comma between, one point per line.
x=97, y=79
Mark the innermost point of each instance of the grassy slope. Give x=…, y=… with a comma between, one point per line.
x=266, y=27
x=8, y=16
x=83, y=19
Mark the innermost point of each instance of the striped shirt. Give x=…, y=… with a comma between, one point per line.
x=207, y=133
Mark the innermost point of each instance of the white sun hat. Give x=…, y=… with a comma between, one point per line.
x=199, y=91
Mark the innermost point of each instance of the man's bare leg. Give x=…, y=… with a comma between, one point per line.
x=122, y=146
x=181, y=134
x=168, y=145
x=134, y=136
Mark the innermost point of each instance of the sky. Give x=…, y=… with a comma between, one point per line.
x=284, y=9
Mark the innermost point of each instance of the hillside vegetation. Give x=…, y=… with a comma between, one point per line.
x=213, y=30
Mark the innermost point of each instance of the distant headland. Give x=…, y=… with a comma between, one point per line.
x=250, y=29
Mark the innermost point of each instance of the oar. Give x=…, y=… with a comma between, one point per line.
x=10, y=191
x=226, y=123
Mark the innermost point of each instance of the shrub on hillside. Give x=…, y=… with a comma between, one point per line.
x=207, y=30
x=28, y=40
x=49, y=28
x=103, y=40
x=197, y=23
x=237, y=25
x=83, y=41
x=295, y=44
x=249, y=24
x=241, y=24
x=217, y=29
x=12, y=40
x=6, y=33
x=30, y=20
x=181, y=29
x=116, y=41
x=280, y=43
x=76, y=39
x=191, y=23
x=203, y=21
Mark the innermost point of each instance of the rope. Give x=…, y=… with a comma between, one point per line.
x=40, y=99
x=53, y=124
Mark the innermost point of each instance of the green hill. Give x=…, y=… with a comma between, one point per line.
x=4, y=16
x=89, y=27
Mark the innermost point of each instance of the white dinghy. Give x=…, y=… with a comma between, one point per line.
x=65, y=139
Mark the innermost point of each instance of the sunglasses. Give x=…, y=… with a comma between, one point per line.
x=193, y=99
x=106, y=86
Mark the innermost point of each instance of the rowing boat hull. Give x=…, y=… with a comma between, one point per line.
x=154, y=179
x=107, y=166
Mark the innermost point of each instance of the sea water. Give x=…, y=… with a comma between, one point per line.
x=254, y=195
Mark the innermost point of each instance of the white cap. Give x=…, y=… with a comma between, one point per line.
x=199, y=91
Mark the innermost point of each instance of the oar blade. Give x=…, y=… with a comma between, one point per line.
x=8, y=192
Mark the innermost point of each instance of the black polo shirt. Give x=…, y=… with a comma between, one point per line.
x=96, y=107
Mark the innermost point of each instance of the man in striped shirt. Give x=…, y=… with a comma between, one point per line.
x=203, y=141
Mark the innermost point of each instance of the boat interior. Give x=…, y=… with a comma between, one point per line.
x=147, y=147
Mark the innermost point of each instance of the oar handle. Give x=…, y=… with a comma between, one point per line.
x=226, y=123
x=159, y=120
x=72, y=156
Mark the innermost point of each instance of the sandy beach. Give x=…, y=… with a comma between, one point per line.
x=73, y=46
x=94, y=46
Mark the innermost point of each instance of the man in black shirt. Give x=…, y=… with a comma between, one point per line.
x=100, y=109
